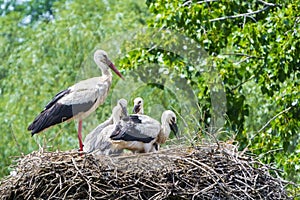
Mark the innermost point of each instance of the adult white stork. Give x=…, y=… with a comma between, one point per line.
x=79, y=100
x=138, y=107
x=143, y=134
x=99, y=137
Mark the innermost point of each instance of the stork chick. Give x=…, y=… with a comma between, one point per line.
x=102, y=141
x=90, y=143
x=138, y=107
x=143, y=134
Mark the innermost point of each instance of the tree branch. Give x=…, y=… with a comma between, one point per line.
x=239, y=15
x=206, y=1
x=284, y=111
x=234, y=88
x=187, y=3
x=268, y=122
x=242, y=54
x=247, y=57
x=270, y=151
x=267, y=3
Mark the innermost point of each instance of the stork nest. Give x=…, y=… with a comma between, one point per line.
x=211, y=171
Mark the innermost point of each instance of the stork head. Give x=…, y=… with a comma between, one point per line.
x=101, y=56
x=123, y=103
x=119, y=110
x=102, y=60
x=169, y=117
x=138, y=107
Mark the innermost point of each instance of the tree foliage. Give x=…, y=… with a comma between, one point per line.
x=255, y=47
x=43, y=57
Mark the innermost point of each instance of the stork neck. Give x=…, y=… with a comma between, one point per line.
x=106, y=72
x=166, y=129
x=116, y=119
x=116, y=114
x=104, y=68
x=142, y=110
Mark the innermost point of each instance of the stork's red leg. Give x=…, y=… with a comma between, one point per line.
x=80, y=136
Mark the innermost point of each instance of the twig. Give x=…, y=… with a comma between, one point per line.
x=280, y=113
x=203, y=172
x=87, y=181
x=239, y=15
x=242, y=83
x=267, y=4
x=206, y=1
x=242, y=54
x=16, y=141
x=271, y=151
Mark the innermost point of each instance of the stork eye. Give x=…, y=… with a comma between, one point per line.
x=105, y=57
x=139, y=102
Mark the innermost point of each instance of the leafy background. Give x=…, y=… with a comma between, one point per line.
x=252, y=51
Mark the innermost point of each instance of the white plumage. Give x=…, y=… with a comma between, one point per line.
x=90, y=140
x=138, y=106
x=141, y=133
x=168, y=124
x=79, y=100
x=99, y=139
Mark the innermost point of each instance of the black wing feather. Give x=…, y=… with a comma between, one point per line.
x=132, y=118
x=129, y=133
x=56, y=114
x=57, y=97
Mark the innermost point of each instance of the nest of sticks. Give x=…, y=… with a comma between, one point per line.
x=209, y=171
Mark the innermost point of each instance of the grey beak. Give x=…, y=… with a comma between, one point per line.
x=124, y=110
x=136, y=108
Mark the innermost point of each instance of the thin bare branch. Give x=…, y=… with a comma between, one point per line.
x=242, y=54
x=267, y=4
x=187, y=3
x=277, y=115
x=206, y=1
x=242, y=83
x=239, y=15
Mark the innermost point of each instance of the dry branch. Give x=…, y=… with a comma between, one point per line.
x=206, y=172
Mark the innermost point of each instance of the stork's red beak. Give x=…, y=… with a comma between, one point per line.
x=113, y=67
